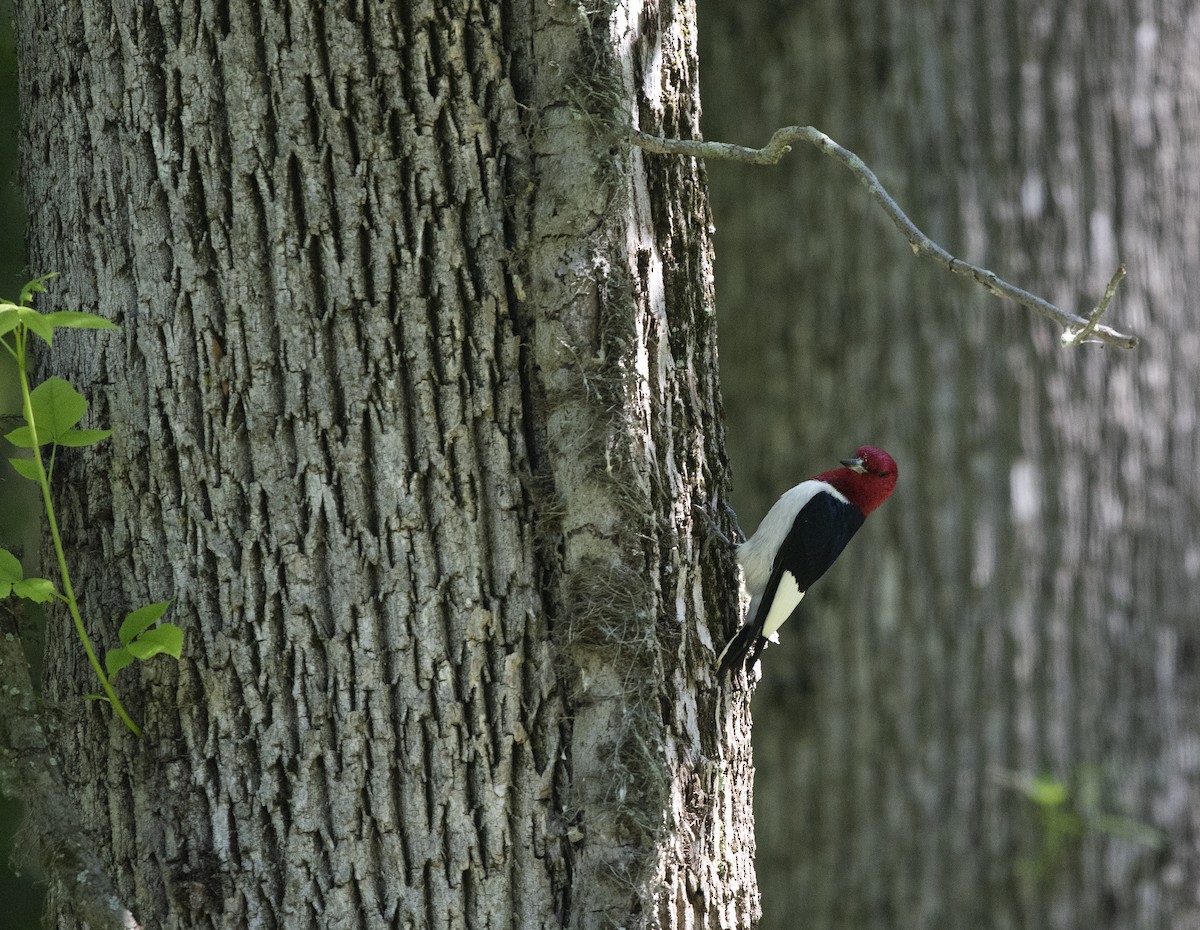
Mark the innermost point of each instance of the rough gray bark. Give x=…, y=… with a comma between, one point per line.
x=1025, y=604
x=413, y=398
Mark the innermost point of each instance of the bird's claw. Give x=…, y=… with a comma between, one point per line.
x=705, y=516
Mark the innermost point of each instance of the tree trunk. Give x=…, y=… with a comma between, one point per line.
x=1025, y=605
x=414, y=394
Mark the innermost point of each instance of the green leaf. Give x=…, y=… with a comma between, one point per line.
x=56, y=408
x=35, y=287
x=1047, y=792
x=83, y=437
x=78, y=319
x=36, y=323
x=10, y=572
x=8, y=320
x=142, y=618
x=10, y=566
x=167, y=638
x=1128, y=829
x=117, y=659
x=26, y=468
x=21, y=437
x=38, y=590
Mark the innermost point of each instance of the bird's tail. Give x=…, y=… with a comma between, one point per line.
x=743, y=649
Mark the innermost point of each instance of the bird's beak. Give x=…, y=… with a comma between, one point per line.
x=855, y=465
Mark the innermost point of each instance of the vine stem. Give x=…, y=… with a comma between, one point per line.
x=68, y=590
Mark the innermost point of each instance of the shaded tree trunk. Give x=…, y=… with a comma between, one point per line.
x=414, y=394
x=1025, y=605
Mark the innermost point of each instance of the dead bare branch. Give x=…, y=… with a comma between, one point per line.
x=1076, y=329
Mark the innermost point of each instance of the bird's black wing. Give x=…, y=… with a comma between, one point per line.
x=821, y=531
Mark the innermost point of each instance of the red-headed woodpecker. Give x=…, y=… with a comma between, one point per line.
x=797, y=541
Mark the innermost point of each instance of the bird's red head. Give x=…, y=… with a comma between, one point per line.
x=867, y=480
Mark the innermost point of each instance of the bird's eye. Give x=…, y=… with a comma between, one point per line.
x=882, y=474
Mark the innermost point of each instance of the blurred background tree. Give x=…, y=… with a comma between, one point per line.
x=988, y=716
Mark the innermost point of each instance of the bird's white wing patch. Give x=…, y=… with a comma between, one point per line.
x=787, y=596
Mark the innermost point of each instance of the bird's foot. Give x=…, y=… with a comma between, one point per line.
x=710, y=522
